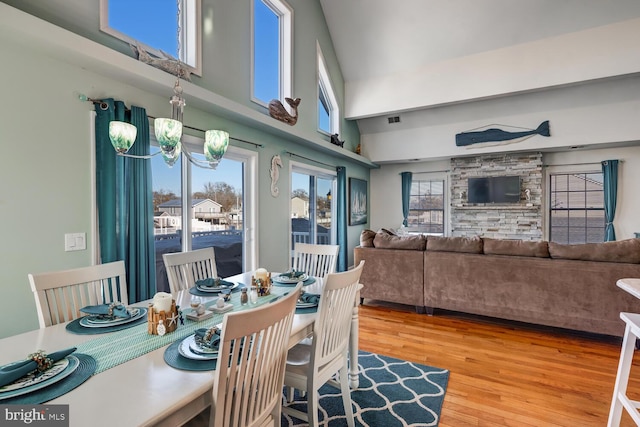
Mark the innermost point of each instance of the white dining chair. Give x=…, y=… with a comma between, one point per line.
x=315, y=260
x=312, y=363
x=248, y=380
x=60, y=295
x=185, y=268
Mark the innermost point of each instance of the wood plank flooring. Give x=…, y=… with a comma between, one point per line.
x=504, y=373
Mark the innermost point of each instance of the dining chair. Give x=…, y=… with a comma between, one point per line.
x=60, y=295
x=315, y=260
x=185, y=268
x=312, y=363
x=248, y=380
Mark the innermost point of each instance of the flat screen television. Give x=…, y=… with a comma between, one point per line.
x=496, y=189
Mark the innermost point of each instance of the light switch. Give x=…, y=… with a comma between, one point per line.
x=75, y=242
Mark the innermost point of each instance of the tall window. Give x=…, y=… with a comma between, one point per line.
x=272, y=51
x=312, y=213
x=426, y=206
x=576, y=208
x=137, y=21
x=328, y=112
x=218, y=214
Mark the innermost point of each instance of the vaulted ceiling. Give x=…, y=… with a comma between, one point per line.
x=378, y=40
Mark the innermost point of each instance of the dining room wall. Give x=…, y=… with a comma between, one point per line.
x=48, y=169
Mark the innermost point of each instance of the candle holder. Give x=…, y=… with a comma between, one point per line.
x=263, y=286
x=169, y=321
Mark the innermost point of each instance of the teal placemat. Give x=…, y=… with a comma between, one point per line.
x=85, y=369
x=307, y=310
x=119, y=347
x=76, y=328
x=174, y=359
x=309, y=281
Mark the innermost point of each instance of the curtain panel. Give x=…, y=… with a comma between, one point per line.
x=124, y=199
x=610, y=186
x=406, y=196
x=341, y=218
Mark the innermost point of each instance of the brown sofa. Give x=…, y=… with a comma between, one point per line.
x=566, y=286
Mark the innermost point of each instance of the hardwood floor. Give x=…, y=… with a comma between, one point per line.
x=504, y=373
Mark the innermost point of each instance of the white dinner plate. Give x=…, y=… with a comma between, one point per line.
x=60, y=370
x=87, y=322
x=285, y=279
x=218, y=289
x=185, y=350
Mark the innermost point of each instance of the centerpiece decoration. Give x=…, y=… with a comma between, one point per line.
x=163, y=315
x=261, y=280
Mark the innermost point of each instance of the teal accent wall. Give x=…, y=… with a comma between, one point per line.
x=46, y=132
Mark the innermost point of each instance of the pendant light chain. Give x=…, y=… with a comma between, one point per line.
x=177, y=101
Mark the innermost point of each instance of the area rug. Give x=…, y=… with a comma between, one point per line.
x=392, y=392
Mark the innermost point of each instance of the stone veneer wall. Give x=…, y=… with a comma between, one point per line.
x=522, y=221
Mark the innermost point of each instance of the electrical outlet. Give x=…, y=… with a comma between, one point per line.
x=75, y=242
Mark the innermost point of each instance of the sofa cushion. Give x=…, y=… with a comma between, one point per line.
x=621, y=251
x=515, y=247
x=471, y=245
x=387, y=241
x=366, y=238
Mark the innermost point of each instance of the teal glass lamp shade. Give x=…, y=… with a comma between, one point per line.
x=171, y=158
x=122, y=135
x=216, y=143
x=168, y=134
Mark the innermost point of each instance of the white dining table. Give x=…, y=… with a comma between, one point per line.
x=145, y=391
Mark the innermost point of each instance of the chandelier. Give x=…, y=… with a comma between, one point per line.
x=168, y=131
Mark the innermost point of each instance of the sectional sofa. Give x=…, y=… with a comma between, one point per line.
x=545, y=283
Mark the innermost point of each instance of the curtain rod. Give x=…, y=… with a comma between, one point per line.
x=580, y=164
x=312, y=160
x=104, y=106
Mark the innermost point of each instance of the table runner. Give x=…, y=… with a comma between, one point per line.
x=119, y=347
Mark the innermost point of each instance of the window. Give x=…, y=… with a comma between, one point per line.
x=426, y=206
x=312, y=213
x=137, y=21
x=328, y=112
x=220, y=209
x=576, y=205
x=272, y=51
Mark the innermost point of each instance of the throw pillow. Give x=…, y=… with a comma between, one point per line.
x=621, y=251
x=471, y=245
x=411, y=243
x=366, y=238
x=515, y=247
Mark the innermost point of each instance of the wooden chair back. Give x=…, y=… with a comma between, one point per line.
x=249, y=376
x=60, y=295
x=333, y=322
x=315, y=260
x=185, y=268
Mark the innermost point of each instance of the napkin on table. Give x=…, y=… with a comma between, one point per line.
x=201, y=337
x=292, y=273
x=309, y=298
x=213, y=283
x=13, y=371
x=119, y=310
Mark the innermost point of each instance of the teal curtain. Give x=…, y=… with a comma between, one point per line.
x=610, y=174
x=406, y=195
x=125, y=200
x=341, y=218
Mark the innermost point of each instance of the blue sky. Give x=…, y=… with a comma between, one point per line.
x=141, y=19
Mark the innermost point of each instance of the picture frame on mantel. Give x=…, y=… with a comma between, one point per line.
x=358, y=213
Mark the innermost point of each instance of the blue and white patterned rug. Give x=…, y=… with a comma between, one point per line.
x=392, y=392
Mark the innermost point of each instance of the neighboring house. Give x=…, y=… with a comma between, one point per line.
x=202, y=209
x=299, y=207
